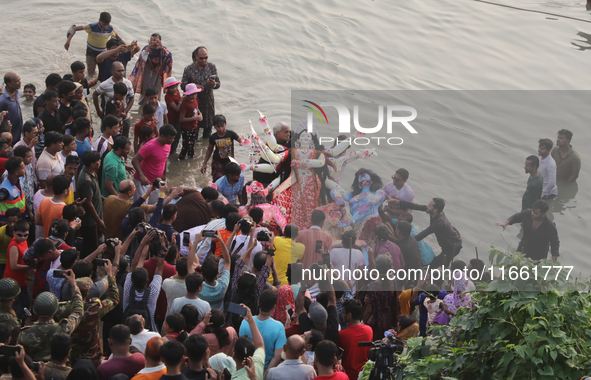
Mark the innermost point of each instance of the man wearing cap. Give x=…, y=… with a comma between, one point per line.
x=85, y=340
x=9, y=290
x=35, y=339
x=324, y=320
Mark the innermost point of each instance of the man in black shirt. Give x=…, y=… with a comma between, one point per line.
x=116, y=51
x=50, y=116
x=51, y=83
x=448, y=237
x=539, y=232
x=90, y=191
x=197, y=352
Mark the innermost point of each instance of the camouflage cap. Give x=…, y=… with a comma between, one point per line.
x=45, y=304
x=9, y=288
x=84, y=284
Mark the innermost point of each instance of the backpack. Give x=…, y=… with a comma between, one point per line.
x=139, y=307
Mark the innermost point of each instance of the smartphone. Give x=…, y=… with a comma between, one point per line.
x=318, y=246
x=130, y=47
x=27, y=312
x=214, y=77
x=35, y=366
x=186, y=238
x=59, y=273
x=7, y=350
x=208, y=233
x=99, y=262
x=326, y=259
x=236, y=309
x=340, y=353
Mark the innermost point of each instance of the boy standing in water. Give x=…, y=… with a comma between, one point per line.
x=98, y=35
x=223, y=141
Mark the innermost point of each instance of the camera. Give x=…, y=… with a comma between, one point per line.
x=158, y=182
x=263, y=236
x=142, y=230
x=382, y=354
x=112, y=242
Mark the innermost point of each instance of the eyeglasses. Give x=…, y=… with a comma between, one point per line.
x=397, y=179
x=22, y=235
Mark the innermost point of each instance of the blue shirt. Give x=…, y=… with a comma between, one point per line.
x=82, y=147
x=273, y=334
x=215, y=294
x=230, y=191
x=7, y=103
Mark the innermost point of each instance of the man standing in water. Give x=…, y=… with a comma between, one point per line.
x=568, y=161
x=535, y=183
x=547, y=169
x=539, y=232
x=152, y=68
x=448, y=237
x=205, y=75
x=9, y=102
x=98, y=35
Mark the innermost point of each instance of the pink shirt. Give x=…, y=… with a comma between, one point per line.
x=154, y=159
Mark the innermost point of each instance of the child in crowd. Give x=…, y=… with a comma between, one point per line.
x=116, y=105
x=189, y=116
x=147, y=120
x=110, y=127
x=83, y=131
x=79, y=111
x=69, y=147
x=161, y=112
x=16, y=268
x=70, y=169
x=29, y=95
x=173, y=105
x=4, y=153
x=223, y=141
x=174, y=325
x=146, y=134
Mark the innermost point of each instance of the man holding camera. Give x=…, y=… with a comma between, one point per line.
x=150, y=162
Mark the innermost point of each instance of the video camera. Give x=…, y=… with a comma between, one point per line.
x=386, y=365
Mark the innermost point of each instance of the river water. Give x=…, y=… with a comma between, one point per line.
x=263, y=50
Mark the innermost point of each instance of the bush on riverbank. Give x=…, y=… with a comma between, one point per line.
x=526, y=329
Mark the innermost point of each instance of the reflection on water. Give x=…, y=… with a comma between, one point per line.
x=566, y=193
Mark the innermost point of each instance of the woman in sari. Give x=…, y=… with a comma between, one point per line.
x=204, y=74
x=152, y=68
x=284, y=298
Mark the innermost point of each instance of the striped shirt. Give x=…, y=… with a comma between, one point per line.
x=97, y=38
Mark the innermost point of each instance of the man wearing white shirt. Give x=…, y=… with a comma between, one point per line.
x=399, y=189
x=547, y=169
x=106, y=90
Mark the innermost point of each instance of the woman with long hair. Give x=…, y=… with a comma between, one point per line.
x=220, y=337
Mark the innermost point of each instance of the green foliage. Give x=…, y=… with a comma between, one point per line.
x=532, y=329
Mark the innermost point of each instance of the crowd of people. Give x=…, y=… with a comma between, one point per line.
x=208, y=283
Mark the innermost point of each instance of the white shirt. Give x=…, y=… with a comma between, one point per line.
x=140, y=340
x=244, y=239
x=404, y=194
x=104, y=144
x=159, y=115
x=174, y=288
x=548, y=171
x=339, y=258
x=202, y=306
